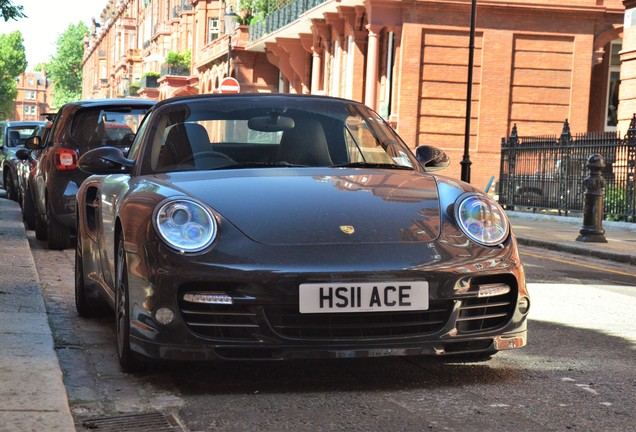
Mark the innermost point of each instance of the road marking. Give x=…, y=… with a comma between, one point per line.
x=578, y=264
x=587, y=388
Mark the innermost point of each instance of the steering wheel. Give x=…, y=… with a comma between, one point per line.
x=206, y=155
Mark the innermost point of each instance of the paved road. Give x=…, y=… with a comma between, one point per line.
x=576, y=374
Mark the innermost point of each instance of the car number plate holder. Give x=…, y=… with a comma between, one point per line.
x=363, y=296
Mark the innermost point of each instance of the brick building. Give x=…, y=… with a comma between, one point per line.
x=34, y=96
x=537, y=62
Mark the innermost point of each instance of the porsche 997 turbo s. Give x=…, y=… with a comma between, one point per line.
x=271, y=227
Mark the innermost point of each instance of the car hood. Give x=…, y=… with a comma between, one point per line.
x=307, y=206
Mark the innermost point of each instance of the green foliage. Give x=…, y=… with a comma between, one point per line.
x=615, y=199
x=66, y=65
x=133, y=89
x=9, y=11
x=151, y=74
x=178, y=59
x=41, y=67
x=12, y=64
x=253, y=11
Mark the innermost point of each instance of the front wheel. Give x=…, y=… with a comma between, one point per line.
x=129, y=360
x=9, y=185
x=28, y=210
x=85, y=305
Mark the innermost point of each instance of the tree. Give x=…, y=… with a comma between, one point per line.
x=12, y=64
x=9, y=11
x=66, y=65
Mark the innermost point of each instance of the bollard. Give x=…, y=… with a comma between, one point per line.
x=592, y=230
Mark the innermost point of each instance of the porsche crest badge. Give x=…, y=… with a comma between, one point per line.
x=347, y=229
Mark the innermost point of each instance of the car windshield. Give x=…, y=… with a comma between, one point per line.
x=115, y=126
x=270, y=131
x=18, y=134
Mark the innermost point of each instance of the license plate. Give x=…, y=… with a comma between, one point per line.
x=363, y=297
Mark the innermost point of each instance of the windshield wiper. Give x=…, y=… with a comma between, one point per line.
x=373, y=165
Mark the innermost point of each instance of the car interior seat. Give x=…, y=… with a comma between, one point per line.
x=305, y=144
x=14, y=138
x=182, y=142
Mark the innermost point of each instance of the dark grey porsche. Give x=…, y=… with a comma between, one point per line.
x=277, y=226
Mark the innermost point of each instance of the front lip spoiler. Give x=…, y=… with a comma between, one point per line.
x=437, y=349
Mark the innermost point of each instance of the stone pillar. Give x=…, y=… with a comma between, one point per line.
x=316, y=69
x=373, y=53
x=627, y=95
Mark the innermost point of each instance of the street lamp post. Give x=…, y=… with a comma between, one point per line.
x=230, y=21
x=465, y=163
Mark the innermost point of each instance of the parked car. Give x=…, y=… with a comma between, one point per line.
x=286, y=226
x=78, y=127
x=13, y=134
x=25, y=170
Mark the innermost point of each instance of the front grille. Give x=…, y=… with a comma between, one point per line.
x=229, y=322
x=240, y=322
x=487, y=313
x=288, y=323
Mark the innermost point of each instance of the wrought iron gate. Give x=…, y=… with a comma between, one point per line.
x=547, y=172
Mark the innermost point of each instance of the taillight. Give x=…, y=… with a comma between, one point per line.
x=65, y=159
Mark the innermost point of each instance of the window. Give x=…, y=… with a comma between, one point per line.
x=613, y=84
x=30, y=94
x=29, y=109
x=213, y=29
x=31, y=82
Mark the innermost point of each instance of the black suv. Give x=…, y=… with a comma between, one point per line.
x=78, y=127
x=13, y=134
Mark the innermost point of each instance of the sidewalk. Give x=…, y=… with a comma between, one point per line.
x=32, y=394
x=560, y=233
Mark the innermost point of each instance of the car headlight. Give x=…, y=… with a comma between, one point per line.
x=481, y=219
x=185, y=225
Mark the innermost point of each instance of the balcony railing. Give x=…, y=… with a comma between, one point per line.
x=279, y=18
x=175, y=70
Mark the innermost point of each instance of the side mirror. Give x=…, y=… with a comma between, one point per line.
x=105, y=160
x=23, y=154
x=34, y=143
x=432, y=158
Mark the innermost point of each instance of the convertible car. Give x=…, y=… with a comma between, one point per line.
x=270, y=227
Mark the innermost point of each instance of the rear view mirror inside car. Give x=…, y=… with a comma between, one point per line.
x=271, y=123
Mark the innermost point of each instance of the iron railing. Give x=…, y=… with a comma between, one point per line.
x=547, y=172
x=280, y=13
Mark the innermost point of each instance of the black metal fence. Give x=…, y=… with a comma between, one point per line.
x=547, y=172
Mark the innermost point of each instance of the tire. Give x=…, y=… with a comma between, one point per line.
x=40, y=227
x=9, y=186
x=86, y=306
x=28, y=211
x=57, y=235
x=128, y=360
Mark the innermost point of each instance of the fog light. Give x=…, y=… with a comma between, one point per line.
x=523, y=305
x=164, y=316
x=490, y=290
x=208, y=298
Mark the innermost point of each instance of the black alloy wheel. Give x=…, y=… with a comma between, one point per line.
x=129, y=361
x=86, y=306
